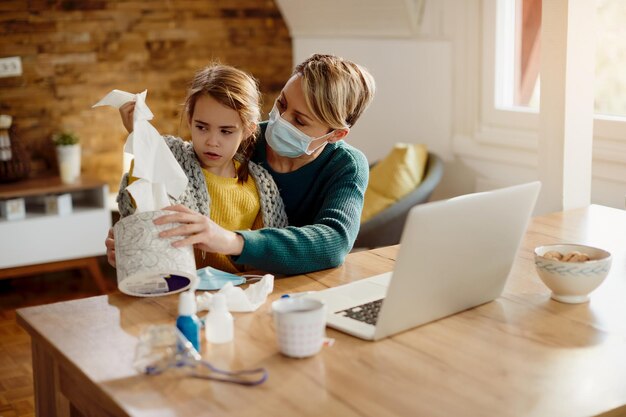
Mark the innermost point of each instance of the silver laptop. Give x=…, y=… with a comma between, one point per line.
x=454, y=255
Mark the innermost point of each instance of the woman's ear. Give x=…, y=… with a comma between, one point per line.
x=339, y=134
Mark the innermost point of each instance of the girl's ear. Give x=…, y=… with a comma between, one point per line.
x=249, y=130
x=339, y=134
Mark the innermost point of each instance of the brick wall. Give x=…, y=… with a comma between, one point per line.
x=74, y=52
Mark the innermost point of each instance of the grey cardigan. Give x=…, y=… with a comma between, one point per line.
x=196, y=196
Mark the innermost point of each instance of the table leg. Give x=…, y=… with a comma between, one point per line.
x=96, y=274
x=49, y=402
x=89, y=268
x=75, y=412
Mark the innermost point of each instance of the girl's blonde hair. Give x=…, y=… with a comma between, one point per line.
x=335, y=89
x=234, y=89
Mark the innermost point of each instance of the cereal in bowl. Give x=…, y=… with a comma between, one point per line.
x=574, y=256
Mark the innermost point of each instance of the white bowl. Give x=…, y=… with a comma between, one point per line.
x=571, y=282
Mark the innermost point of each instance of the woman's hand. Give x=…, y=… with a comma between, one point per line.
x=110, y=244
x=126, y=111
x=200, y=231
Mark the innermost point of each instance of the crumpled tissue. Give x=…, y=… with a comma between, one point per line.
x=239, y=300
x=160, y=175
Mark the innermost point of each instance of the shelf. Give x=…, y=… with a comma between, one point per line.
x=40, y=214
x=42, y=186
x=42, y=238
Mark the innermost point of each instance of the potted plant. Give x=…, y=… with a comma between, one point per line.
x=68, y=155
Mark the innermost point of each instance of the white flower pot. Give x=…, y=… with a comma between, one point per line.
x=68, y=157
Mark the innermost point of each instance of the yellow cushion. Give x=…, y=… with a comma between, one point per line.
x=394, y=177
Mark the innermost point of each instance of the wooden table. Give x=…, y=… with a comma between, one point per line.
x=521, y=355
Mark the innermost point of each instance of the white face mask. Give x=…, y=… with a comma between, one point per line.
x=286, y=139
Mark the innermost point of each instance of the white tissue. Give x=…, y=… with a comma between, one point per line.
x=160, y=175
x=239, y=300
x=115, y=98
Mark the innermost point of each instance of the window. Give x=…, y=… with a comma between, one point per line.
x=518, y=49
x=518, y=56
x=610, y=83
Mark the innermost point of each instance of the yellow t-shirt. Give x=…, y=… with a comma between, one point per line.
x=234, y=206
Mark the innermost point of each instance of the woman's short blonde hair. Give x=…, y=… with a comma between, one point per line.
x=335, y=89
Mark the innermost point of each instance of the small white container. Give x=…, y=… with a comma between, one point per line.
x=218, y=325
x=58, y=204
x=300, y=326
x=14, y=209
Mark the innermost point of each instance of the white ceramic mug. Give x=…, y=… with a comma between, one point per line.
x=300, y=325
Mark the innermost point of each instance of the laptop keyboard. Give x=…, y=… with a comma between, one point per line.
x=367, y=312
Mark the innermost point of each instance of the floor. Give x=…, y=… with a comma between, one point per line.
x=16, y=381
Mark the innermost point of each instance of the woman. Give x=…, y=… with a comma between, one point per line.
x=321, y=179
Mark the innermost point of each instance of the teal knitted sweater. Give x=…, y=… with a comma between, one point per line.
x=323, y=201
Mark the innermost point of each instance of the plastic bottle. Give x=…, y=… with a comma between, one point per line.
x=187, y=322
x=218, y=324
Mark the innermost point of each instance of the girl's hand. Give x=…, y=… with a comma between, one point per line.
x=126, y=111
x=199, y=231
x=110, y=244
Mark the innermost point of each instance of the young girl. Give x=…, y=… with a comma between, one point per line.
x=223, y=111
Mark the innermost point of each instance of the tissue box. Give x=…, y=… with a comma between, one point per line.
x=58, y=204
x=148, y=265
x=13, y=209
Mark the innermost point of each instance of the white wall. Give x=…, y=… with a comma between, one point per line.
x=413, y=101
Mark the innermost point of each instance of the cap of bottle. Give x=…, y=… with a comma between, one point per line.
x=218, y=303
x=218, y=323
x=187, y=304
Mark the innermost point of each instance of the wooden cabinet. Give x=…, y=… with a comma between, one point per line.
x=44, y=242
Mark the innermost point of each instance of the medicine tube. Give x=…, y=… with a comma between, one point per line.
x=187, y=322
